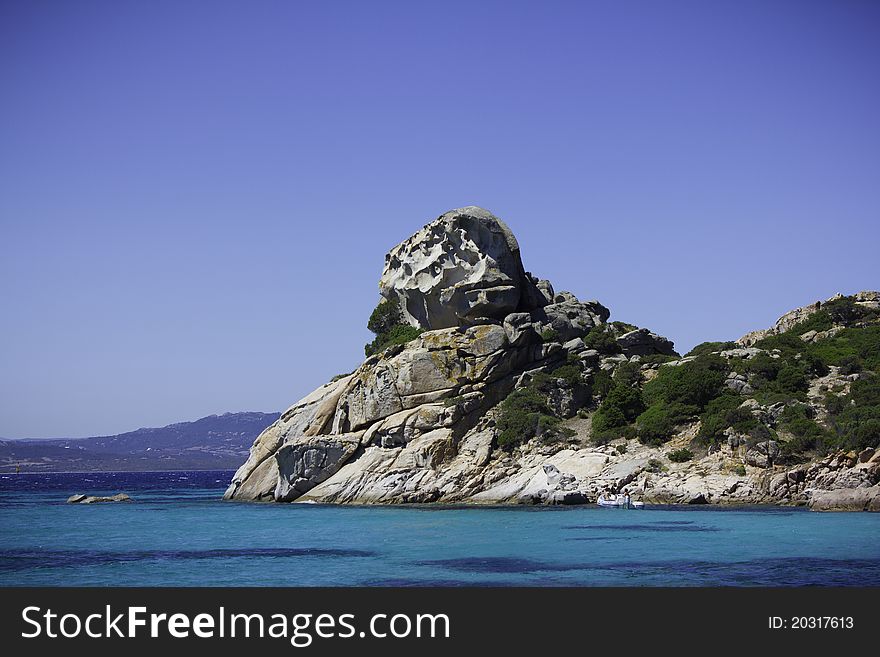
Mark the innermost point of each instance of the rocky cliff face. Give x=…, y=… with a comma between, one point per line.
x=421, y=422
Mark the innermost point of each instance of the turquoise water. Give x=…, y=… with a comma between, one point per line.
x=179, y=533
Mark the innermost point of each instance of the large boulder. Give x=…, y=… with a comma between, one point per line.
x=643, y=342
x=846, y=499
x=763, y=454
x=460, y=269
x=569, y=318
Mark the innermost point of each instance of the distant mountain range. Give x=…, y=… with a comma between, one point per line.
x=214, y=442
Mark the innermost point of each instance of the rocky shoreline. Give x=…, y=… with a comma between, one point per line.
x=485, y=386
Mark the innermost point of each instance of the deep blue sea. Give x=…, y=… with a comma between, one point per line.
x=178, y=532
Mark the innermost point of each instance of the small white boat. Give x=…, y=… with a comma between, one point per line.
x=619, y=502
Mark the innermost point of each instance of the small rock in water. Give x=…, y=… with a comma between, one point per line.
x=91, y=499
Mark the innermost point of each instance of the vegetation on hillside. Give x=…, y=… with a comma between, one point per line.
x=710, y=347
x=780, y=376
x=603, y=339
x=526, y=412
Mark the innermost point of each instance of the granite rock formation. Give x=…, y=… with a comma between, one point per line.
x=420, y=422
x=460, y=269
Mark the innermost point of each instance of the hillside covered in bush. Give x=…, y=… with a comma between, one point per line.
x=812, y=389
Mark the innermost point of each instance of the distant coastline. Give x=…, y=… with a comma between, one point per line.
x=214, y=442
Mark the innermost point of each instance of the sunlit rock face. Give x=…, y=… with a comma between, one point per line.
x=459, y=270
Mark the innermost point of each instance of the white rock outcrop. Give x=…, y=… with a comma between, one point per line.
x=460, y=269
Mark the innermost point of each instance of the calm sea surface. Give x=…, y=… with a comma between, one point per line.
x=179, y=533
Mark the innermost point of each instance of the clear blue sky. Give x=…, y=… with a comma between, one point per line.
x=197, y=196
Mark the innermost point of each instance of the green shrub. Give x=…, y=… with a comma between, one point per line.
x=549, y=429
x=855, y=422
x=571, y=371
x=623, y=327
x=813, y=364
x=787, y=374
x=654, y=426
x=800, y=444
x=764, y=366
x=693, y=384
x=796, y=411
x=627, y=374
x=622, y=405
x=807, y=434
x=385, y=316
x=740, y=469
x=712, y=429
x=602, y=384
x=803, y=427
x=720, y=407
x=787, y=343
x=387, y=322
x=655, y=465
x=710, y=347
x=602, y=339
x=397, y=335
x=818, y=321
x=657, y=423
x=523, y=415
x=680, y=455
x=850, y=364
x=620, y=449
x=723, y=412
x=865, y=434
x=657, y=359
x=862, y=343
x=679, y=394
x=767, y=397
x=549, y=335
x=866, y=392
x=526, y=414
x=605, y=436
x=742, y=420
x=541, y=382
x=834, y=404
x=866, y=343
x=792, y=379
